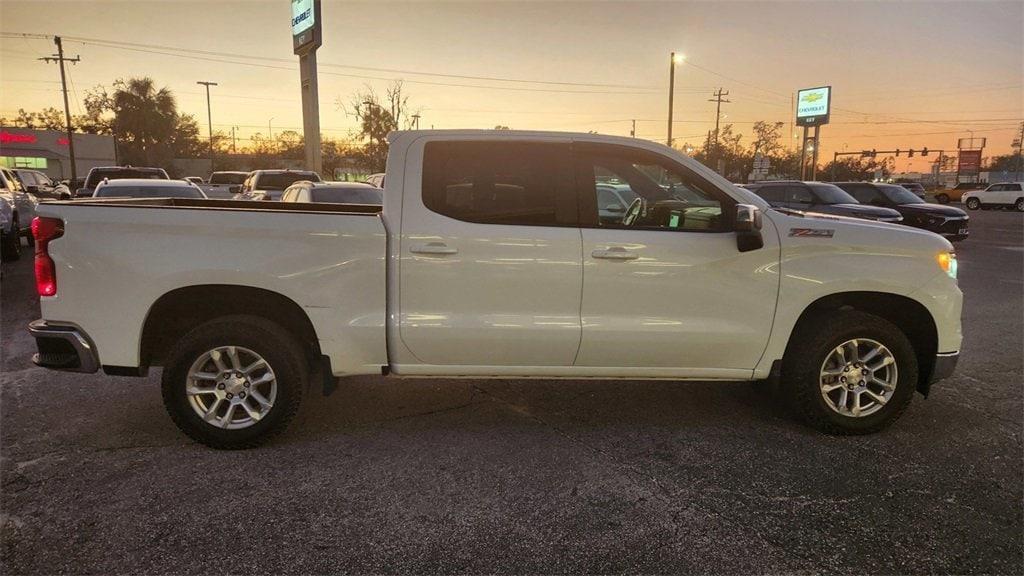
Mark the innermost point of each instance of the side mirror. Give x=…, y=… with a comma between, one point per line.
x=748, y=228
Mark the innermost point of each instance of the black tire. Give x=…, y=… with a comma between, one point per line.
x=814, y=339
x=30, y=238
x=973, y=204
x=275, y=344
x=10, y=244
x=1019, y=205
x=942, y=198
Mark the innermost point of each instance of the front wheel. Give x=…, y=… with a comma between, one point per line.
x=973, y=204
x=848, y=372
x=234, y=382
x=942, y=198
x=1019, y=205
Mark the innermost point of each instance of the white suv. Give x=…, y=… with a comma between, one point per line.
x=1004, y=195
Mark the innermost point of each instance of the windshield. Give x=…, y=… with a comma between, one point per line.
x=97, y=176
x=148, y=192
x=900, y=195
x=831, y=194
x=228, y=178
x=348, y=195
x=282, y=180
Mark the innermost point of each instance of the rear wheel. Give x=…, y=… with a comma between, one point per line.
x=973, y=204
x=234, y=382
x=1019, y=205
x=847, y=372
x=942, y=198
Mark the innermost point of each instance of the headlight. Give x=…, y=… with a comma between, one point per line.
x=947, y=261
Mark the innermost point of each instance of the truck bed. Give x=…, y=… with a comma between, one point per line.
x=118, y=257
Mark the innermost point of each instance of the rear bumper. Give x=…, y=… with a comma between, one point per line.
x=945, y=364
x=63, y=347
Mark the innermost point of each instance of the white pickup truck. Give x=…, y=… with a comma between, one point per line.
x=490, y=258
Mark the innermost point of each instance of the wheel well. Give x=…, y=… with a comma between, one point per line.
x=907, y=314
x=181, y=310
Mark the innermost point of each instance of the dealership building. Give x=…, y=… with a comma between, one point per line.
x=47, y=151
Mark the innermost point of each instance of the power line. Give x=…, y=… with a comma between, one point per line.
x=192, y=51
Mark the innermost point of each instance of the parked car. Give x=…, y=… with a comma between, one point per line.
x=1003, y=195
x=956, y=193
x=948, y=221
x=270, y=184
x=491, y=260
x=376, y=180
x=143, y=188
x=819, y=197
x=17, y=209
x=99, y=174
x=333, y=192
x=224, y=184
x=39, y=184
x=916, y=187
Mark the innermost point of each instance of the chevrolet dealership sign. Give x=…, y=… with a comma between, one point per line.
x=305, y=25
x=812, y=106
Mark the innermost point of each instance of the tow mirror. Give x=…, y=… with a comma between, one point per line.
x=748, y=227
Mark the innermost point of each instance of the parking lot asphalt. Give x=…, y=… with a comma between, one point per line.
x=516, y=476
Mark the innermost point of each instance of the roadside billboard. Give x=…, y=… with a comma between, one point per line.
x=305, y=25
x=969, y=162
x=812, y=106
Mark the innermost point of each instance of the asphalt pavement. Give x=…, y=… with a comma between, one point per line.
x=525, y=476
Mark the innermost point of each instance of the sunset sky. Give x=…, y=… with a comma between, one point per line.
x=904, y=74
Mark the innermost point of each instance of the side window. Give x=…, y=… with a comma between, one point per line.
x=798, y=195
x=1013, y=187
x=863, y=194
x=657, y=193
x=512, y=183
x=772, y=194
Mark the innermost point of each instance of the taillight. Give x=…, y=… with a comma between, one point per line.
x=44, y=230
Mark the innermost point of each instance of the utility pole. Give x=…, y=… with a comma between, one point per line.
x=60, y=59
x=209, y=117
x=416, y=121
x=632, y=132
x=233, y=140
x=718, y=111
x=1020, y=148
x=672, y=61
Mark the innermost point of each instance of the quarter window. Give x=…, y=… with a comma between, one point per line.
x=514, y=183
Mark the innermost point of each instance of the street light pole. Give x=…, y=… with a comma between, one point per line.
x=209, y=117
x=673, y=60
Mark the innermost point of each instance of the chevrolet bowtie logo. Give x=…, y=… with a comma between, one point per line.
x=812, y=97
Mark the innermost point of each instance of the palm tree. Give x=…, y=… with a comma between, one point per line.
x=144, y=119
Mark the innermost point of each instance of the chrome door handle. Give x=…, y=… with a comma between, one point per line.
x=615, y=253
x=434, y=248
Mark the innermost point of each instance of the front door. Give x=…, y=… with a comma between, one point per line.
x=665, y=286
x=490, y=265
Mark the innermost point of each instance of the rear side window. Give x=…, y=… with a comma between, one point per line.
x=863, y=193
x=771, y=193
x=348, y=195
x=513, y=183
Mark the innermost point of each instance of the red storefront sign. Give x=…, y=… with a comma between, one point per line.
x=14, y=138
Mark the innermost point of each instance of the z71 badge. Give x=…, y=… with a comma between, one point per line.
x=813, y=232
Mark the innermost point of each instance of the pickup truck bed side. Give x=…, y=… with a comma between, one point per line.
x=328, y=263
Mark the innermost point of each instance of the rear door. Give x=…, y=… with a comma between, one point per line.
x=666, y=288
x=1008, y=193
x=490, y=268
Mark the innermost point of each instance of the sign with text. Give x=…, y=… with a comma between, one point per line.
x=812, y=106
x=968, y=162
x=305, y=25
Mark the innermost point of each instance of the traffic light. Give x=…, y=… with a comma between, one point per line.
x=911, y=153
x=924, y=152
x=874, y=153
x=897, y=152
